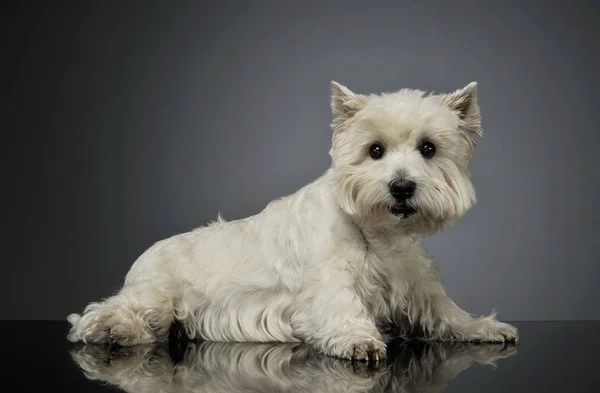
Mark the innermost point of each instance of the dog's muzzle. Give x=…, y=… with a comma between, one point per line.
x=402, y=190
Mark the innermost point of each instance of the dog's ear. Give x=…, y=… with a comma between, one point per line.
x=464, y=103
x=344, y=103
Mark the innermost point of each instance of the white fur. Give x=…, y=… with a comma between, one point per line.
x=329, y=265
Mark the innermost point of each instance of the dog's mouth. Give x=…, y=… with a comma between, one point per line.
x=402, y=210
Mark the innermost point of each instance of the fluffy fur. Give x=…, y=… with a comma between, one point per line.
x=332, y=264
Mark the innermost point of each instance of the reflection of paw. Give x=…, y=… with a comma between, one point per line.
x=490, y=353
x=94, y=355
x=123, y=366
x=369, y=351
x=366, y=369
x=96, y=361
x=356, y=368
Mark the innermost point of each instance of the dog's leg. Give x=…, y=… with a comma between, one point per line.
x=332, y=318
x=138, y=314
x=431, y=309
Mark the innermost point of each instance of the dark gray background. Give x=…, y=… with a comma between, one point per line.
x=125, y=122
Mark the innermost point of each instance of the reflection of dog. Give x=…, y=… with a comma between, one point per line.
x=291, y=367
x=333, y=263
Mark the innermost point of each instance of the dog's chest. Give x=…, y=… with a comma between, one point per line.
x=371, y=281
x=386, y=274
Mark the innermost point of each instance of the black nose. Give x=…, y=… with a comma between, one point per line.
x=402, y=189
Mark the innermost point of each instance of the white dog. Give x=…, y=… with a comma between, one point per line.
x=332, y=264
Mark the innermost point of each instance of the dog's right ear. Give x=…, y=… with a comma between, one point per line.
x=344, y=102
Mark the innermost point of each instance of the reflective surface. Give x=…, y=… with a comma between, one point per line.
x=551, y=357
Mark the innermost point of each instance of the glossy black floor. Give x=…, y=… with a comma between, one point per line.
x=551, y=357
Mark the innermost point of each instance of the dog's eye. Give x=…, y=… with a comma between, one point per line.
x=427, y=149
x=376, y=151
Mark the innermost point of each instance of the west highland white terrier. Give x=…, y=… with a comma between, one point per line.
x=334, y=264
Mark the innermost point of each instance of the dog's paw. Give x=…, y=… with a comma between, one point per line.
x=126, y=334
x=110, y=325
x=368, y=351
x=490, y=330
x=500, y=332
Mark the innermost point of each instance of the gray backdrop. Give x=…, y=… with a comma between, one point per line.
x=126, y=122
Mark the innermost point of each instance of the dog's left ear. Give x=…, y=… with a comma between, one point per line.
x=464, y=103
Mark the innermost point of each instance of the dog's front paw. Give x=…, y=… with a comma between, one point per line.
x=367, y=350
x=490, y=330
x=499, y=332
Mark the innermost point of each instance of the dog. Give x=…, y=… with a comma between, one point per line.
x=334, y=264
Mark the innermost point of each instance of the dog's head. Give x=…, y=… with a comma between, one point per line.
x=401, y=159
